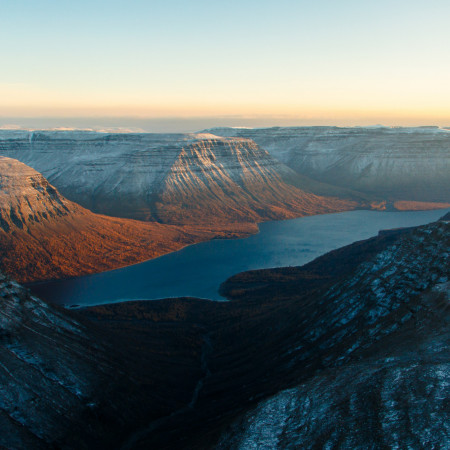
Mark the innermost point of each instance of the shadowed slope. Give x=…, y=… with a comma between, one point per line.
x=356, y=326
x=175, y=373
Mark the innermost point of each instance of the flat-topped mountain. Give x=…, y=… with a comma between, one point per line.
x=171, y=178
x=43, y=235
x=394, y=163
x=27, y=198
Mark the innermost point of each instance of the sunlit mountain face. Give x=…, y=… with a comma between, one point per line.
x=45, y=236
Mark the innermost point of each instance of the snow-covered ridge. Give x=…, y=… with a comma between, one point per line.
x=154, y=176
x=410, y=163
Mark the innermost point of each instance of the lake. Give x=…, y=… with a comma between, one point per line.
x=198, y=270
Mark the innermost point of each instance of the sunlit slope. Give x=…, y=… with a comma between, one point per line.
x=43, y=235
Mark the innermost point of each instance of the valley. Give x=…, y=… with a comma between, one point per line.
x=342, y=314
x=362, y=312
x=224, y=225
x=180, y=179
x=198, y=270
x=45, y=236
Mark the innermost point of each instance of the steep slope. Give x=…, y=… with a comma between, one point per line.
x=190, y=178
x=67, y=383
x=395, y=163
x=43, y=235
x=54, y=374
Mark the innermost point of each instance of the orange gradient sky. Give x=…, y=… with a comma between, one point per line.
x=329, y=62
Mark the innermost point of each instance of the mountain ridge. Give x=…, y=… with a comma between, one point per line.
x=394, y=163
x=172, y=178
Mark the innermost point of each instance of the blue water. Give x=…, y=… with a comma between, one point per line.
x=198, y=270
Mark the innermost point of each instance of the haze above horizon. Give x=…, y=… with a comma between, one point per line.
x=189, y=65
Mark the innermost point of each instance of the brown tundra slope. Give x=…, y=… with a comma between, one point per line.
x=43, y=235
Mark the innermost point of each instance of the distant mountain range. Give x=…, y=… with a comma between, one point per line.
x=410, y=164
x=177, y=179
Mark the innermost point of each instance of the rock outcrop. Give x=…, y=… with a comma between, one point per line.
x=53, y=375
x=393, y=163
x=170, y=178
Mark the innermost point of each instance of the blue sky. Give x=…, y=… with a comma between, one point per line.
x=351, y=62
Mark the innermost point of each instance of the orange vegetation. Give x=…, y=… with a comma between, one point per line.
x=405, y=205
x=92, y=243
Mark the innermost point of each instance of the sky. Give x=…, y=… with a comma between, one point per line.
x=243, y=62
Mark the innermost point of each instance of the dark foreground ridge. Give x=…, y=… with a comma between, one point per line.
x=350, y=349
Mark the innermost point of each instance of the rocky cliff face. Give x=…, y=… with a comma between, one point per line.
x=170, y=178
x=43, y=235
x=395, y=163
x=27, y=198
x=52, y=371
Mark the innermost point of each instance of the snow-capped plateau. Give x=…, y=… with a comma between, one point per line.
x=174, y=178
x=395, y=163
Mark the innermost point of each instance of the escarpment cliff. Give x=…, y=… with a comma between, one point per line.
x=394, y=163
x=181, y=178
